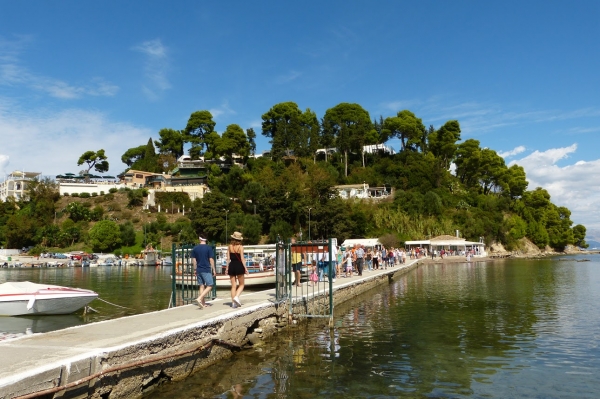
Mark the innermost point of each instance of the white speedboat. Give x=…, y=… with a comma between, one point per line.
x=254, y=278
x=26, y=298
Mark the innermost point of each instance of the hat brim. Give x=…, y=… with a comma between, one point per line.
x=240, y=238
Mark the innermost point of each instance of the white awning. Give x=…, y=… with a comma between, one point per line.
x=367, y=242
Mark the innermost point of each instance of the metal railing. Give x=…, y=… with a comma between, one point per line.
x=184, y=282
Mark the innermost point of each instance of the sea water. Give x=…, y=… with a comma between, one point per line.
x=503, y=329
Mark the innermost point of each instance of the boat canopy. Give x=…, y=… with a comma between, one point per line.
x=367, y=242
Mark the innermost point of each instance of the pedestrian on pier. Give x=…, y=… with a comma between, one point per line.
x=203, y=259
x=236, y=268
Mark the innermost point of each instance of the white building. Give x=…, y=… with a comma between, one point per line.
x=349, y=191
x=15, y=185
x=449, y=243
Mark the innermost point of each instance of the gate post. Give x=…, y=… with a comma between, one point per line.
x=173, y=302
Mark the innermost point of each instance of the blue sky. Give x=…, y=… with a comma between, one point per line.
x=521, y=77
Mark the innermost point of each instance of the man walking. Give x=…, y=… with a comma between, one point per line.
x=203, y=259
x=360, y=255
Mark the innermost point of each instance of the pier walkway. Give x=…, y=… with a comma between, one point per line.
x=124, y=357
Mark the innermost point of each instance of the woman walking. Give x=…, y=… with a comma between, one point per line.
x=236, y=268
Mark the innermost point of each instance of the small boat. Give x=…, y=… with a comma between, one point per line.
x=26, y=298
x=254, y=278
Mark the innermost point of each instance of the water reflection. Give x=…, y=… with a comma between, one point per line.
x=502, y=329
x=37, y=324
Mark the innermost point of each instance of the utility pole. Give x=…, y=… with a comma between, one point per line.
x=226, y=224
x=309, y=209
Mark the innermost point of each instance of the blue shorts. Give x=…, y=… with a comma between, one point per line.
x=205, y=278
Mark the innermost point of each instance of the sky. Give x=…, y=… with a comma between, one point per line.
x=520, y=77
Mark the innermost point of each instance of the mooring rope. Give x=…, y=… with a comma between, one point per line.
x=123, y=307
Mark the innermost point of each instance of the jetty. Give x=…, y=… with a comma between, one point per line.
x=129, y=356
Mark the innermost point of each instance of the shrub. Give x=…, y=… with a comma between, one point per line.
x=84, y=195
x=66, y=194
x=101, y=192
x=113, y=190
x=135, y=220
x=113, y=207
x=94, y=194
x=75, y=195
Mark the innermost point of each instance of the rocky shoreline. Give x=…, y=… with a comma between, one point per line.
x=503, y=256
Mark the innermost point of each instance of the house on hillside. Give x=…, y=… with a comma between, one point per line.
x=15, y=185
x=350, y=191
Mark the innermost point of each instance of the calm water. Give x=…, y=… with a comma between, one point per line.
x=513, y=329
x=129, y=290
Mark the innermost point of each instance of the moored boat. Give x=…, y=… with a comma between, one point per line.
x=254, y=278
x=26, y=298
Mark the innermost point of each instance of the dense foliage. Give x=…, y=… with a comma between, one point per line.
x=440, y=185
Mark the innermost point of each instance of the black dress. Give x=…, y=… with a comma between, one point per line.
x=236, y=266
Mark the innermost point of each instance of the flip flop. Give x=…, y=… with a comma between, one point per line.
x=200, y=304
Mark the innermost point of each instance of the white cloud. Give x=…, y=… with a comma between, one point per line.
x=155, y=68
x=513, y=152
x=223, y=109
x=289, y=77
x=13, y=73
x=568, y=185
x=52, y=142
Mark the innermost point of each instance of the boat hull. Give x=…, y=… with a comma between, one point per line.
x=44, y=300
x=252, y=279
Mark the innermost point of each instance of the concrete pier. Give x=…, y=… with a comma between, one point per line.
x=127, y=357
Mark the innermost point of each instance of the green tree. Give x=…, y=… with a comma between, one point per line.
x=133, y=155
x=310, y=133
x=516, y=181
x=408, y=128
x=199, y=125
x=20, y=231
x=70, y=233
x=348, y=124
x=468, y=162
x=233, y=141
x=442, y=143
x=282, y=230
x=251, y=140
x=492, y=171
x=579, y=232
x=77, y=211
x=136, y=197
x=210, y=214
x=282, y=124
x=97, y=213
x=432, y=204
x=105, y=236
x=96, y=160
x=150, y=162
x=127, y=234
x=43, y=195
x=170, y=142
